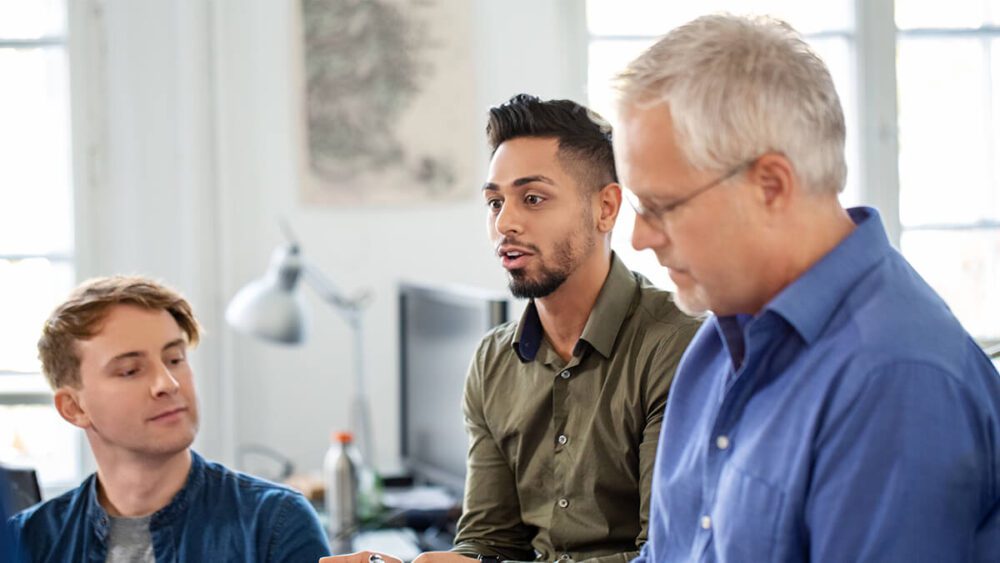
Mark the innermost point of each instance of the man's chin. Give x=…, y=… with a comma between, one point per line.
x=524, y=288
x=690, y=302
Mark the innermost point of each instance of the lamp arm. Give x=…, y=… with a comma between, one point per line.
x=350, y=307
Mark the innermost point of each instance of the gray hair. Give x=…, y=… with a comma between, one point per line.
x=737, y=88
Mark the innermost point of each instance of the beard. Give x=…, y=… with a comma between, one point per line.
x=547, y=281
x=691, y=302
x=567, y=258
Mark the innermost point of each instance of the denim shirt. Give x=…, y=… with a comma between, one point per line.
x=852, y=419
x=219, y=515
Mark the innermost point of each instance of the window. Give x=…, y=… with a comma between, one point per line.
x=36, y=231
x=948, y=75
x=948, y=64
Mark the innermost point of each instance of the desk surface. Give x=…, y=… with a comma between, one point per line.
x=401, y=542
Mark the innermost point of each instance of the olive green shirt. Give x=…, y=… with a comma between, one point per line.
x=561, y=453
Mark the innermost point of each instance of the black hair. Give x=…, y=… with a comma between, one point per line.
x=584, y=136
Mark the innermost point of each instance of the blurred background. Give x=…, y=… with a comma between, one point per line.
x=168, y=138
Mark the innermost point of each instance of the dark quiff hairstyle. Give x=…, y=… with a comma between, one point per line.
x=80, y=318
x=584, y=136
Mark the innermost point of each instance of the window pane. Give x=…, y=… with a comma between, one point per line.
x=953, y=14
x=964, y=267
x=837, y=53
x=36, y=436
x=31, y=19
x=644, y=262
x=35, y=189
x=29, y=290
x=656, y=17
x=994, y=12
x=993, y=195
x=944, y=132
x=606, y=59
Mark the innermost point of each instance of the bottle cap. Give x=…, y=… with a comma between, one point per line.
x=342, y=437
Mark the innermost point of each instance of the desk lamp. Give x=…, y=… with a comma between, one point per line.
x=273, y=309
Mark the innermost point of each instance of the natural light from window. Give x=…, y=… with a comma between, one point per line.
x=36, y=231
x=948, y=79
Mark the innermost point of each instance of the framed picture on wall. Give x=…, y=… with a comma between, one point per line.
x=387, y=107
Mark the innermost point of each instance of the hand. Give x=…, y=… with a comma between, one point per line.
x=360, y=557
x=442, y=557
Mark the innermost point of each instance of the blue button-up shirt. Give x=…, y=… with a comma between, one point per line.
x=219, y=515
x=852, y=419
x=6, y=538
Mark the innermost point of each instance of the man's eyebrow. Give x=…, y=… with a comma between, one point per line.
x=537, y=178
x=140, y=354
x=134, y=354
x=173, y=343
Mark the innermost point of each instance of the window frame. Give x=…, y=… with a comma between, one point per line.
x=81, y=45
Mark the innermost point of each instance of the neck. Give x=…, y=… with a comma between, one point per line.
x=565, y=311
x=815, y=234
x=130, y=486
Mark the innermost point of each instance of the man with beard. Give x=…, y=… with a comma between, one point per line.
x=563, y=407
x=116, y=354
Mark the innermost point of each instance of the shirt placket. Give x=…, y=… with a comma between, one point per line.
x=563, y=500
x=735, y=390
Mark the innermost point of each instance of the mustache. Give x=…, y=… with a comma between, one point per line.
x=514, y=242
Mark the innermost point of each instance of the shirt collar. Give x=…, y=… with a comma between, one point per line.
x=809, y=302
x=613, y=306
x=179, y=504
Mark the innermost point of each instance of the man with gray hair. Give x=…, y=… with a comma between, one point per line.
x=832, y=408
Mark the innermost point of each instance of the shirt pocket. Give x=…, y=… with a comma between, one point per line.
x=745, y=517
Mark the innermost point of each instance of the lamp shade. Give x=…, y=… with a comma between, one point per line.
x=271, y=307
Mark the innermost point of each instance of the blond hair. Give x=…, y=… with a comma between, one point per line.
x=81, y=315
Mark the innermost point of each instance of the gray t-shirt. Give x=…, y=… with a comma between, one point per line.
x=129, y=541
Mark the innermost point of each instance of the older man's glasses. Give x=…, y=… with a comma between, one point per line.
x=657, y=215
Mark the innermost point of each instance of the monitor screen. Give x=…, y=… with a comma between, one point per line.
x=440, y=328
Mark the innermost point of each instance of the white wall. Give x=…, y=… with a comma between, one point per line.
x=189, y=113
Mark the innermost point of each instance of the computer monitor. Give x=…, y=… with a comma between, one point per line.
x=439, y=330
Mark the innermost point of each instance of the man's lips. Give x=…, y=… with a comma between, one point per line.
x=513, y=257
x=168, y=414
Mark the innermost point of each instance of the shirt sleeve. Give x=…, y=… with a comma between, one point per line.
x=491, y=516
x=297, y=533
x=901, y=470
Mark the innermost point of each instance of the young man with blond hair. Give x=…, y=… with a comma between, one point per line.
x=116, y=355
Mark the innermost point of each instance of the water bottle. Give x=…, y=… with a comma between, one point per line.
x=340, y=475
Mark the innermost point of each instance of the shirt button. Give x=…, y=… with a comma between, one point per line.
x=563, y=503
x=563, y=439
x=564, y=374
x=722, y=442
x=706, y=522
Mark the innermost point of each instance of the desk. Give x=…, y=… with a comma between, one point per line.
x=401, y=542
x=414, y=520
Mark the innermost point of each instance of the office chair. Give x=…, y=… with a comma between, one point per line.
x=24, y=489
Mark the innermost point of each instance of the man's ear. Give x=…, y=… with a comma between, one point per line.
x=67, y=402
x=775, y=178
x=609, y=201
